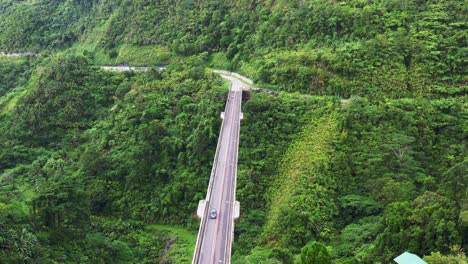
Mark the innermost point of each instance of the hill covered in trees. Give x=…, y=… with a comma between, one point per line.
x=361, y=156
x=380, y=48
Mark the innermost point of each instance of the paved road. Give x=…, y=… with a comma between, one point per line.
x=17, y=54
x=217, y=234
x=130, y=68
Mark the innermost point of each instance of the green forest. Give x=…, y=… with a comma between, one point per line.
x=359, y=157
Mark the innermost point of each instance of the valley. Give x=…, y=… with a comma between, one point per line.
x=352, y=147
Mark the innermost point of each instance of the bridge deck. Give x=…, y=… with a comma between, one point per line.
x=215, y=235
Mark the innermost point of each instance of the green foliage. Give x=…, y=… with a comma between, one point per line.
x=61, y=205
x=355, y=240
x=370, y=179
x=353, y=207
x=17, y=245
x=457, y=256
x=315, y=253
x=85, y=142
x=13, y=72
x=302, y=206
x=179, y=248
x=284, y=255
x=60, y=98
x=257, y=255
x=425, y=225
x=380, y=173
x=383, y=49
x=51, y=24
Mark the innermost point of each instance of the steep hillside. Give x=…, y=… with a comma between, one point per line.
x=360, y=157
x=302, y=205
x=379, y=49
x=367, y=180
x=14, y=72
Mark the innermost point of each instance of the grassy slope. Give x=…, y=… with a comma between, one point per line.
x=181, y=251
x=303, y=161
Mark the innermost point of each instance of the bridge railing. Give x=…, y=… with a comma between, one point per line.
x=231, y=226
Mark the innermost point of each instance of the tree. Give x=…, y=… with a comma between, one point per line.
x=457, y=256
x=60, y=98
x=315, y=253
x=62, y=207
x=282, y=254
x=426, y=225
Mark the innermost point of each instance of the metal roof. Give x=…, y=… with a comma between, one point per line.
x=408, y=258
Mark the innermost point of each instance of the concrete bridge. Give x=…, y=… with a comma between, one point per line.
x=216, y=233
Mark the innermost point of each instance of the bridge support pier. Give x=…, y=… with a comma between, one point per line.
x=201, y=209
x=236, y=210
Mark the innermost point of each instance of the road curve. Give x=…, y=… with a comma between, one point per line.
x=216, y=235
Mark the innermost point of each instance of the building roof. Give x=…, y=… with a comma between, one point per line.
x=408, y=258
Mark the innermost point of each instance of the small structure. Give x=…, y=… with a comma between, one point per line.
x=201, y=209
x=408, y=258
x=236, y=210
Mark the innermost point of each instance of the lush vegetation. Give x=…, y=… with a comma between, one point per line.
x=380, y=49
x=368, y=180
x=84, y=153
x=361, y=157
x=14, y=72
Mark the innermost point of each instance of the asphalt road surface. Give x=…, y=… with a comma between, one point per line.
x=216, y=240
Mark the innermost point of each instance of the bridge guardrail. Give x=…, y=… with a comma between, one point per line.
x=231, y=227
